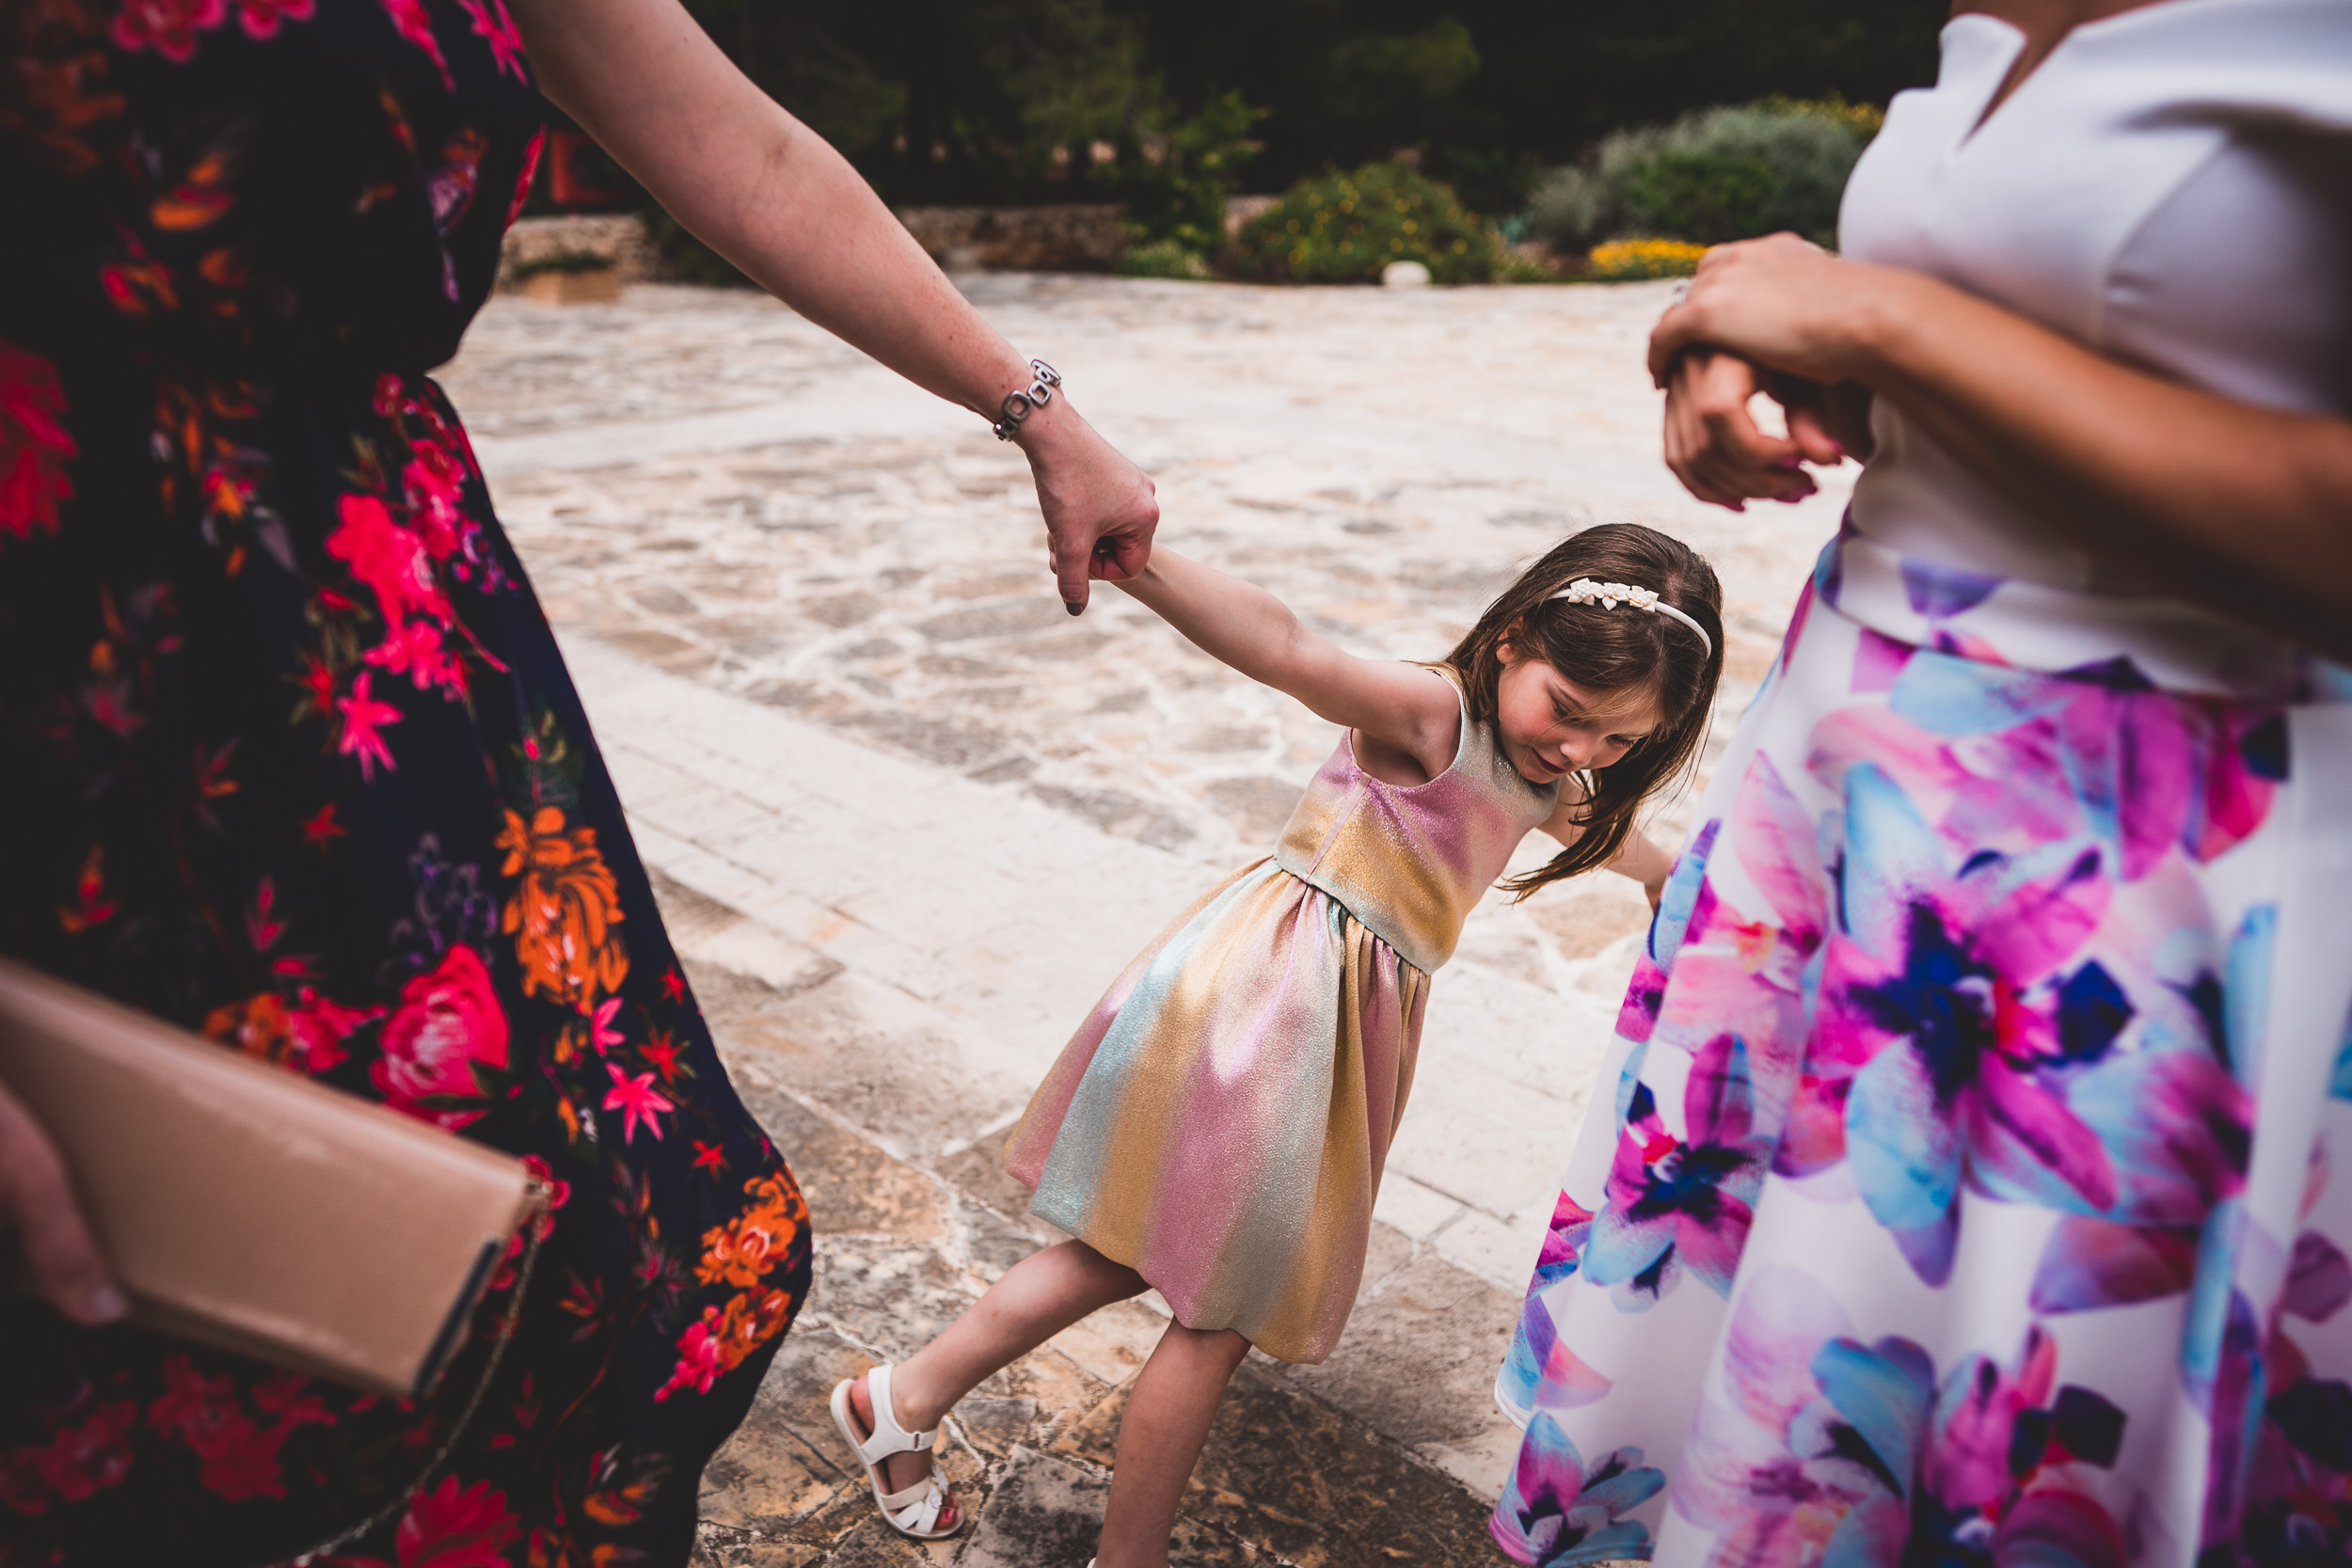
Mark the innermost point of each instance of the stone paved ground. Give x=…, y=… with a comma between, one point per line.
x=906, y=819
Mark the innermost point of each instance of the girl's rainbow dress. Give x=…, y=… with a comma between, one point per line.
x=1220, y=1122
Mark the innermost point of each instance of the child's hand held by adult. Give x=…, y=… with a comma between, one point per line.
x=1714, y=445
x=1101, y=509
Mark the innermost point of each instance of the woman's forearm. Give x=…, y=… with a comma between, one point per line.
x=2245, y=507
x=774, y=198
x=762, y=189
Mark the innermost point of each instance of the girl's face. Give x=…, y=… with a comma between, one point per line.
x=1553, y=727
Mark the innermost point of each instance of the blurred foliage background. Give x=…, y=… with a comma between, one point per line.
x=1024, y=101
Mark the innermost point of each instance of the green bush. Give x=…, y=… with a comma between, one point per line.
x=1163, y=259
x=1344, y=227
x=1714, y=175
x=1180, y=199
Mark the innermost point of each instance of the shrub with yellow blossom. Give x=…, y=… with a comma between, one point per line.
x=1624, y=261
x=1344, y=227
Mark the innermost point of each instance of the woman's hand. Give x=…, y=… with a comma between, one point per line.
x=1714, y=445
x=1100, y=509
x=1706, y=351
x=1782, y=304
x=36, y=1203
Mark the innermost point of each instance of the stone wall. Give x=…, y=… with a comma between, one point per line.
x=1073, y=237
x=619, y=236
x=1070, y=238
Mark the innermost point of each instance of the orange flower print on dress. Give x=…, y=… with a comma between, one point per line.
x=743, y=1252
x=562, y=917
x=303, y=1035
x=35, y=446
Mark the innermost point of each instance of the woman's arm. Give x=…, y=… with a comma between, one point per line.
x=2248, y=510
x=773, y=198
x=1244, y=626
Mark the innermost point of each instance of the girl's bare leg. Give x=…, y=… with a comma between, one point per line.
x=1159, y=1439
x=1034, y=1299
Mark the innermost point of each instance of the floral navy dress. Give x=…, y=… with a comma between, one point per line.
x=289, y=756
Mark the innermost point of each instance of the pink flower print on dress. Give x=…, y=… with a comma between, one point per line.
x=169, y=27
x=1541, y=1369
x=447, y=1023
x=1556, y=1511
x=35, y=445
x=532, y=155
x=450, y=1526
x=1834, y=1450
x=364, y=720
x=261, y=19
x=1682, y=1202
x=390, y=559
x=1939, y=1004
x=2146, y=772
x=492, y=23
x=410, y=21
x=637, y=1100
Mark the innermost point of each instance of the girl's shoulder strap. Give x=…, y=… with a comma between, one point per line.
x=1452, y=676
x=1465, y=728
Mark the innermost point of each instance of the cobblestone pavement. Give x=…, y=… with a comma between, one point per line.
x=907, y=818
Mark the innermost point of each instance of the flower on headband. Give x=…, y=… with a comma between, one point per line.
x=1609, y=595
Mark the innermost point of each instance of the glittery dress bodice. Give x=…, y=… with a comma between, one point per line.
x=1411, y=862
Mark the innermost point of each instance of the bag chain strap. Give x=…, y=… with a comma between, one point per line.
x=448, y=1445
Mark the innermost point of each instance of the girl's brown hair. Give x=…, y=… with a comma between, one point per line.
x=1611, y=650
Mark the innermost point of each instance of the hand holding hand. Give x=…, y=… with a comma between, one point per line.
x=36, y=1203
x=1782, y=304
x=1769, y=315
x=1714, y=445
x=1101, y=509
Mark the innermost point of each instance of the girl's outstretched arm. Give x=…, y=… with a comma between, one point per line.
x=1255, y=633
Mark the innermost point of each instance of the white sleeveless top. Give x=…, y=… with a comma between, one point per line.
x=2172, y=186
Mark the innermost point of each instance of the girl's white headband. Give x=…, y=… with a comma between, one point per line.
x=1609, y=595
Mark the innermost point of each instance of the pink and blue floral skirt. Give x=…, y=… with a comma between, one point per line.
x=1978, y=1185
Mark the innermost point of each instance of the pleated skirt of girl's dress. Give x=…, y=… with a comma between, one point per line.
x=1220, y=1120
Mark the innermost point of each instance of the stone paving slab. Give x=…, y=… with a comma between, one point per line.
x=906, y=818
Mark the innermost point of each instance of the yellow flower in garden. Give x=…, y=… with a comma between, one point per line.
x=562, y=917
x=1620, y=260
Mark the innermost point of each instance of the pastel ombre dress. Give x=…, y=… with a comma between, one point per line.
x=1220, y=1122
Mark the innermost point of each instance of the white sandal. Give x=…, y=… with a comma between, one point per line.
x=916, y=1511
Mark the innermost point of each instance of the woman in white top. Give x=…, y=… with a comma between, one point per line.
x=1977, y=1183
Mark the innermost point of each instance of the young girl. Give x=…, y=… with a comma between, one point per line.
x=1217, y=1126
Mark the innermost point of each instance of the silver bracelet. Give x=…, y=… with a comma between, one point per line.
x=1018, y=406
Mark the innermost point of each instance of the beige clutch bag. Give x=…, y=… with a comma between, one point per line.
x=255, y=1210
